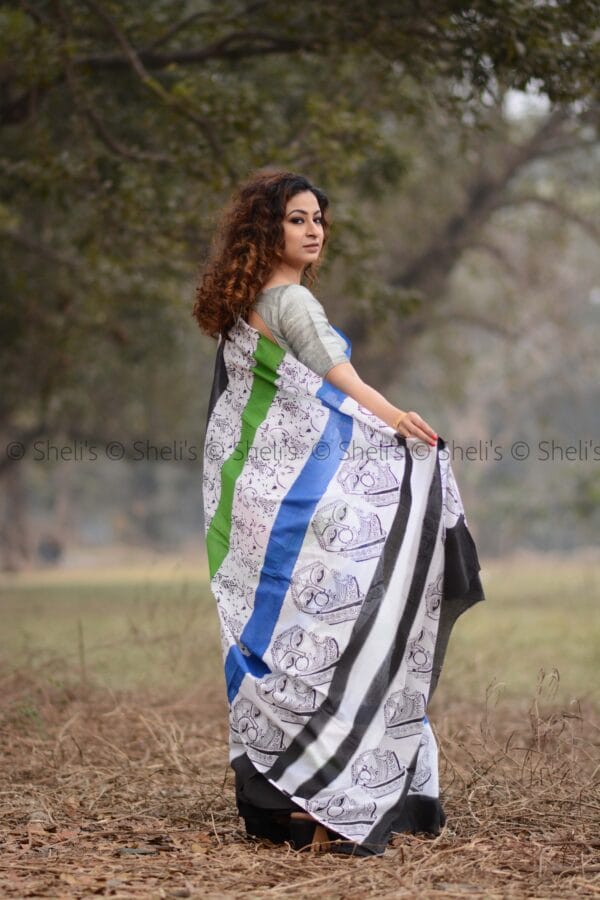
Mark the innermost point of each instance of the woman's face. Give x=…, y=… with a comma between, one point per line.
x=303, y=230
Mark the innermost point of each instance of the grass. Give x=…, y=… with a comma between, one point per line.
x=121, y=630
x=113, y=735
x=159, y=627
x=540, y=615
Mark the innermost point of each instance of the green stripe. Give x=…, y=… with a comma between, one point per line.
x=267, y=357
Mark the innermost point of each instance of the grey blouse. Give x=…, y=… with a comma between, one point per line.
x=299, y=324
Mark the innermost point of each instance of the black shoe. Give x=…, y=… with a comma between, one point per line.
x=270, y=827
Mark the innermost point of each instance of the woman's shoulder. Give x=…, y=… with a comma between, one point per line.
x=294, y=294
x=283, y=298
x=291, y=289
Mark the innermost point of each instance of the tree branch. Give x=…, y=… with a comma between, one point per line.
x=17, y=110
x=496, y=253
x=172, y=31
x=225, y=48
x=567, y=147
x=556, y=207
x=35, y=14
x=158, y=90
x=475, y=320
x=183, y=23
x=120, y=149
x=430, y=270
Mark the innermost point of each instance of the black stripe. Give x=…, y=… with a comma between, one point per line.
x=462, y=588
x=220, y=381
x=393, y=659
x=360, y=631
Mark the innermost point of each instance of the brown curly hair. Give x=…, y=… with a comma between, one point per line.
x=248, y=241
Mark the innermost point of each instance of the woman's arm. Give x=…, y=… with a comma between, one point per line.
x=345, y=377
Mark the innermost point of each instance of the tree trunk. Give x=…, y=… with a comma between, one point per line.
x=15, y=536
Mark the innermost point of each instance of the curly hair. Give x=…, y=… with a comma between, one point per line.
x=246, y=246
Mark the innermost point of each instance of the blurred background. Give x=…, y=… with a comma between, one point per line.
x=459, y=147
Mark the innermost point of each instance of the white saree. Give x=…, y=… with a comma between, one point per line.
x=339, y=558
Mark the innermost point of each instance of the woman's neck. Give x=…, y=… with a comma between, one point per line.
x=284, y=275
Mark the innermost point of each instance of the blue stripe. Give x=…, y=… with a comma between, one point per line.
x=285, y=541
x=348, y=350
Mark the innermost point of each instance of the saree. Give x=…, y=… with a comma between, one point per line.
x=339, y=558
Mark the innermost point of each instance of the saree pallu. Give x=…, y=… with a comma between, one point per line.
x=339, y=558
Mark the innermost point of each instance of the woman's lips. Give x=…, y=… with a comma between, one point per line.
x=311, y=246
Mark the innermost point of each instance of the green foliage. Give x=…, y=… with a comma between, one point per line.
x=125, y=127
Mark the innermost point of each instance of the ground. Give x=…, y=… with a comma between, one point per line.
x=115, y=779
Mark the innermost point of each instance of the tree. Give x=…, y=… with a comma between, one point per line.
x=480, y=175
x=125, y=126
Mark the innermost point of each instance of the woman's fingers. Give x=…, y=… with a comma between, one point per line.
x=427, y=428
x=412, y=425
x=422, y=436
x=430, y=434
x=422, y=428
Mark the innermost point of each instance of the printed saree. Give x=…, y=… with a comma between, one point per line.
x=339, y=558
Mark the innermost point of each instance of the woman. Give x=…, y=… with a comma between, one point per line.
x=338, y=549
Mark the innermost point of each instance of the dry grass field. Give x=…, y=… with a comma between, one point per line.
x=115, y=782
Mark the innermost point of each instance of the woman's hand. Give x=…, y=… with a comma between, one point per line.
x=410, y=424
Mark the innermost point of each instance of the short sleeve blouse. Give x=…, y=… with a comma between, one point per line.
x=300, y=325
